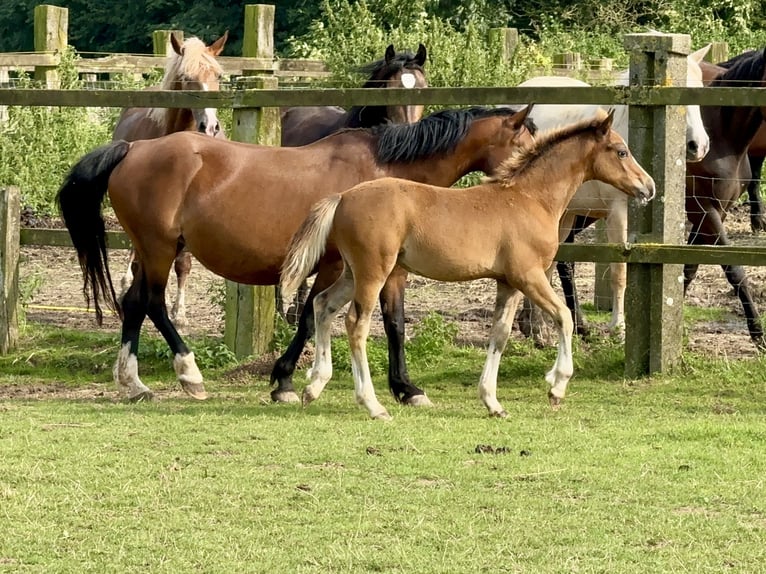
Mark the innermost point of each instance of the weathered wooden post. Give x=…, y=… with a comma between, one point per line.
x=719, y=52
x=250, y=311
x=654, y=299
x=10, y=211
x=508, y=40
x=51, y=36
x=161, y=41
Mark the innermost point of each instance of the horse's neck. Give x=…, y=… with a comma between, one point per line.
x=178, y=120
x=365, y=116
x=554, y=178
x=733, y=128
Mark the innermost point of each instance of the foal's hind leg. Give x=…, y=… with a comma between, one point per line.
x=282, y=373
x=392, y=306
x=182, y=265
x=326, y=307
x=505, y=307
x=539, y=290
x=127, y=278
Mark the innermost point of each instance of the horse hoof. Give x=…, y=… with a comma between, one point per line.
x=383, y=416
x=499, y=414
x=141, y=397
x=307, y=397
x=278, y=396
x=418, y=401
x=555, y=401
x=194, y=390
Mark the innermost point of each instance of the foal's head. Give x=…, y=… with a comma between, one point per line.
x=192, y=66
x=614, y=164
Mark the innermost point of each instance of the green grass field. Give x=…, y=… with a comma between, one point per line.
x=659, y=475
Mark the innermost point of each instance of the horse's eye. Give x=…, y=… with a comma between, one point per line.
x=622, y=154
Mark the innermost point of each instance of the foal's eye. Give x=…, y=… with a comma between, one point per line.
x=622, y=154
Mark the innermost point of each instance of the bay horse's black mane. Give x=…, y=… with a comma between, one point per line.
x=378, y=73
x=435, y=134
x=743, y=70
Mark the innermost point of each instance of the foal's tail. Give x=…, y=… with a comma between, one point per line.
x=79, y=200
x=307, y=245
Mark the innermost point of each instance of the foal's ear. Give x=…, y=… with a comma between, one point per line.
x=390, y=53
x=217, y=47
x=420, y=57
x=606, y=124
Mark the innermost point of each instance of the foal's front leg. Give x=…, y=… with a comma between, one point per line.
x=506, y=302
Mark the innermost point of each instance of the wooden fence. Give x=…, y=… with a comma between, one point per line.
x=653, y=335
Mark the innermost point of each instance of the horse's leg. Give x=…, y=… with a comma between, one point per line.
x=710, y=231
x=125, y=372
x=358, y=328
x=538, y=289
x=182, y=266
x=617, y=232
x=282, y=373
x=156, y=276
x=566, y=272
x=326, y=306
x=757, y=218
x=506, y=302
x=127, y=278
x=392, y=307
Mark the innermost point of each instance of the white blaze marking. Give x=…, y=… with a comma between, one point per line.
x=408, y=80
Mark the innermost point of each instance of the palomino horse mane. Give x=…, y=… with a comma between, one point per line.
x=193, y=61
x=522, y=158
x=435, y=134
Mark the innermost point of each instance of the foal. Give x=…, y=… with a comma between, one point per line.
x=505, y=229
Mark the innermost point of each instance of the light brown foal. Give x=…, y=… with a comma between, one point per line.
x=505, y=229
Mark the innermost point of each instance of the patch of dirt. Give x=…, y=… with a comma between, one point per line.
x=53, y=277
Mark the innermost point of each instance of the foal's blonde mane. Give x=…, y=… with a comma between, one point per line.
x=523, y=157
x=193, y=62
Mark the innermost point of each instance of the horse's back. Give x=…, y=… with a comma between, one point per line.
x=307, y=124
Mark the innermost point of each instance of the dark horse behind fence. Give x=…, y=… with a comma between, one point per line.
x=306, y=124
x=235, y=206
x=191, y=65
x=303, y=125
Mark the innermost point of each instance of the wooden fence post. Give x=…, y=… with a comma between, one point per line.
x=161, y=41
x=251, y=310
x=5, y=81
x=719, y=52
x=508, y=38
x=51, y=30
x=9, y=268
x=654, y=299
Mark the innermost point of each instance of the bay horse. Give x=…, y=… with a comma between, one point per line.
x=303, y=125
x=598, y=200
x=716, y=182
x=235, y=206
x=756, y=151
x=190, y=65
x=505, y=229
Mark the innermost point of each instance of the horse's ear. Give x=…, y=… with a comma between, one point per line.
x=177, y=47
x=390, y=54
x=420, y=57
x=606, y=124
x=700, y=54
x=217, y=47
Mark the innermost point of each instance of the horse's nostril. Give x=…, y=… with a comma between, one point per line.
x=692, y=145
x=217, y=128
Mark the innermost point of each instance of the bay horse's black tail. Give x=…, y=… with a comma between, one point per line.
x=79, y=200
